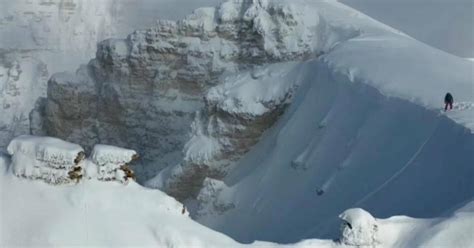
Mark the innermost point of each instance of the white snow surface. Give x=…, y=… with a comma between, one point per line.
x=446, y=25
x=366, y=128
x=96, y=213
x=360, y=228
x=109, y=214
x=253, y=92
x=200, y=148
x=30, y=153
x=107, y=154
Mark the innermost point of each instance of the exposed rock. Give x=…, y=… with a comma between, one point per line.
x=22, y=80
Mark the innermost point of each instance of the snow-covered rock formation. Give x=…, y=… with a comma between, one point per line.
x=144, y=91
x=43, y=37
x=112, y=162
x=49, y=159
x=59, y=162
x=353, y=108
x=40, y=38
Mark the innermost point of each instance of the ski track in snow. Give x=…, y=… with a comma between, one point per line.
x=402, y=169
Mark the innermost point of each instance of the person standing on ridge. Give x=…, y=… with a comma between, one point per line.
x=448, y=101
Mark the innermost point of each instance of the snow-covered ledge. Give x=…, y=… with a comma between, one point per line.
x=57, y=162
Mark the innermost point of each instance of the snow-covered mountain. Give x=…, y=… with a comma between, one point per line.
x=446, y=25
x=43, y=37
x=268, y=119
x=365, y=128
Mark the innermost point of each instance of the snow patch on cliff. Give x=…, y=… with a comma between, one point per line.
x=255, y=92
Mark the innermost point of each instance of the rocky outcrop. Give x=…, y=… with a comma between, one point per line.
x=49, y=159
x=144, y=91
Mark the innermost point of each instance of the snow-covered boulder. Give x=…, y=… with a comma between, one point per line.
x=112, y=162
x=359, y=228
x=50, y=159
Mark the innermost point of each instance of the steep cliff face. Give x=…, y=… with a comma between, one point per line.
x=144, y=91
x=22, y=80
x=40, y=38
x=43, y=37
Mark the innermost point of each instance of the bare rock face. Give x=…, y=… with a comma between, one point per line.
x=23, y=79
x=144, y=91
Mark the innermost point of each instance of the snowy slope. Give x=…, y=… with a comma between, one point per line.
x=365, y=129
x=446, y=25
x=109, y=214
x=93, y=213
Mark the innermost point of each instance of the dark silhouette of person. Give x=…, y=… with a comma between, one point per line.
x=448, y=101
